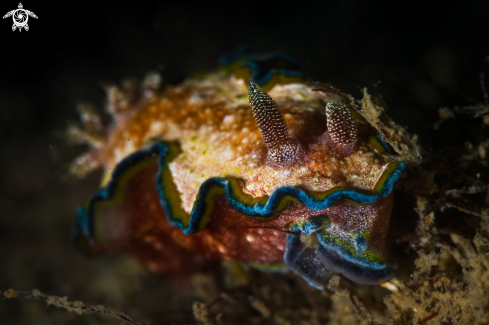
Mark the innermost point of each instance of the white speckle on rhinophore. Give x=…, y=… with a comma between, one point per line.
x=250, y=238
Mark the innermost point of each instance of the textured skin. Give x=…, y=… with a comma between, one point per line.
x=302, y=144
x=273, y=129
x=341, y=127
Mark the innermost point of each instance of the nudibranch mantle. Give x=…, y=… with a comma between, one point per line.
x=188, y=178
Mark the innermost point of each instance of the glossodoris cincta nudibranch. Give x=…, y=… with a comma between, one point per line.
x=247, y=165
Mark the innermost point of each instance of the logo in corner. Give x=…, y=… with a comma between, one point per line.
x=20, y=17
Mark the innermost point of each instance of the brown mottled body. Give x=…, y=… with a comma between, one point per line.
x=213, y=122
x=219, y=137
x=140, y=226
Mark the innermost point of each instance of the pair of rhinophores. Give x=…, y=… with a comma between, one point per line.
x=248, y=164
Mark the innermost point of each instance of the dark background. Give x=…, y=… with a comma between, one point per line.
x=419, y=56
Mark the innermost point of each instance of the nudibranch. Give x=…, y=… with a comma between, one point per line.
x=248, y=164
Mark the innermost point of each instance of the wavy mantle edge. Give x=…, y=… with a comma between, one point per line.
x=265, y=207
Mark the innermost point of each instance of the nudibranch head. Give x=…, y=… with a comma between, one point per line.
x=210, y=173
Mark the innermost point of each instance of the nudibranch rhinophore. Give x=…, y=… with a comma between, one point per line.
x=248, y=164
